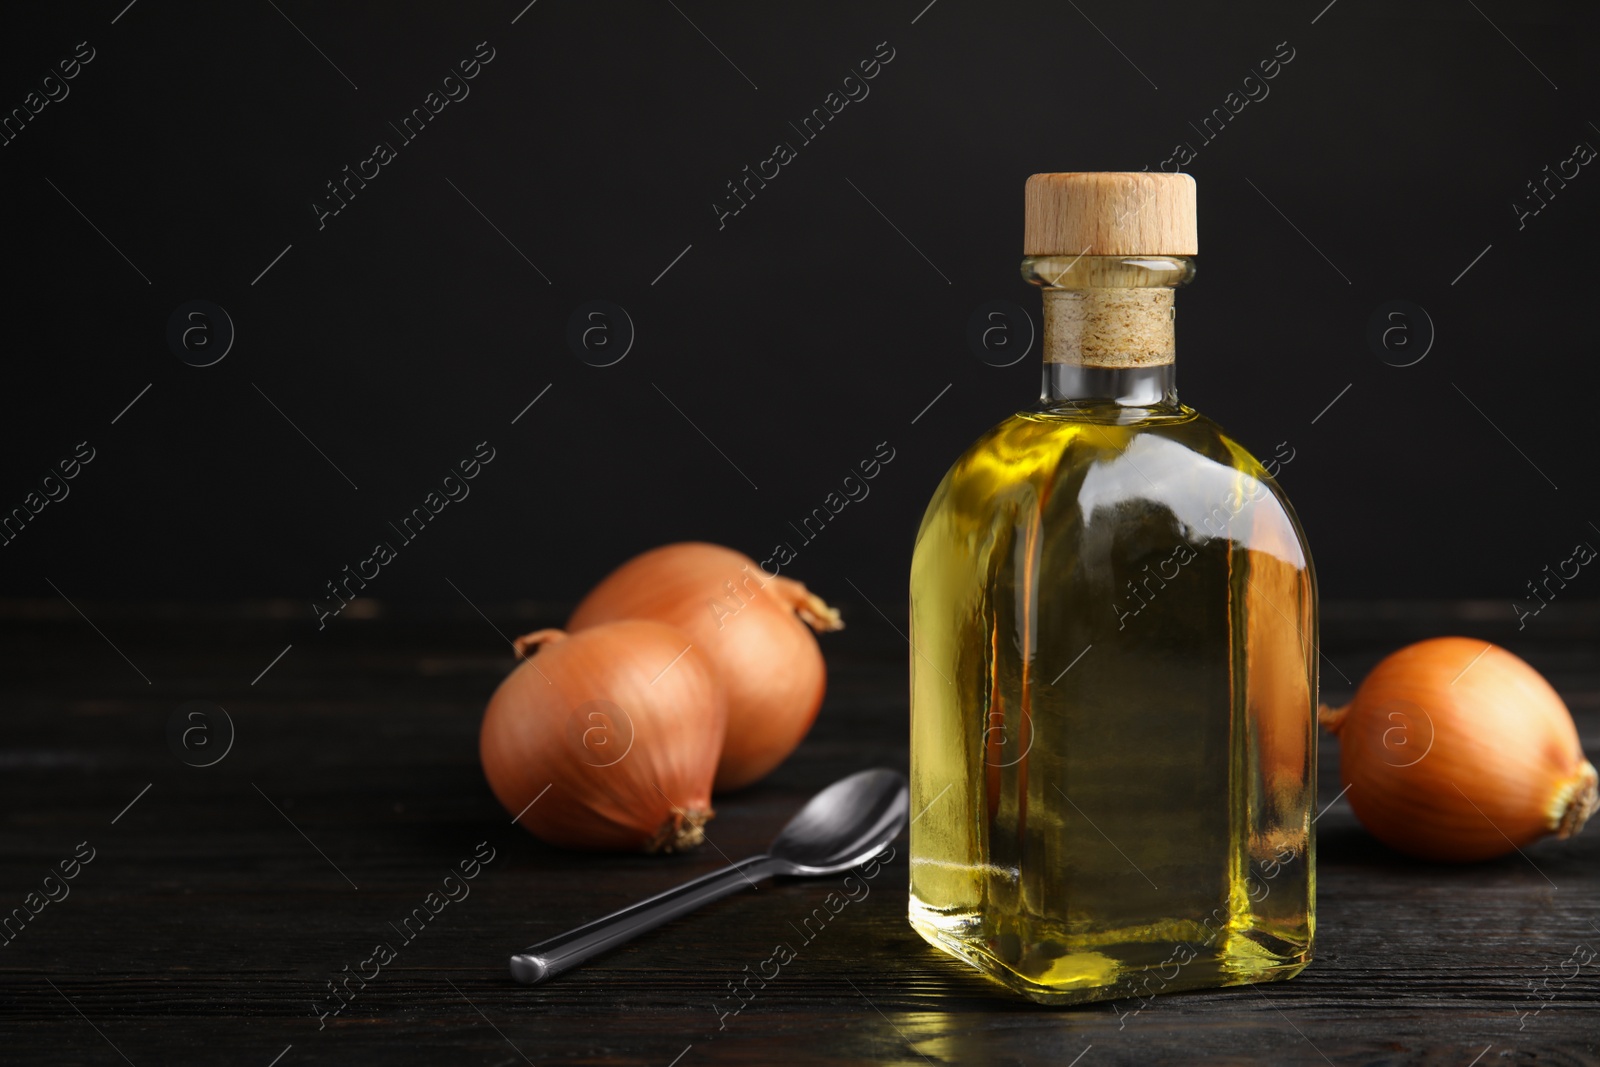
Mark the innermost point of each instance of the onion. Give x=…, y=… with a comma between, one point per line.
x=607, y=739
x=749, y=623
x=1455, y=749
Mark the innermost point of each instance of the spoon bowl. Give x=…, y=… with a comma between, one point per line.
x=844, y=825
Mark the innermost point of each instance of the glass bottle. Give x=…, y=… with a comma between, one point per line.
x=1114, y=665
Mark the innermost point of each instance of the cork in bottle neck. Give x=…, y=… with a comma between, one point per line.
x=1109, y=311
x=1108, y=327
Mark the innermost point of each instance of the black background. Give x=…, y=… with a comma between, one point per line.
x=807, y=330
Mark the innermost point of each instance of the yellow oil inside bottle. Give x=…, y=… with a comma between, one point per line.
x=1114, y=676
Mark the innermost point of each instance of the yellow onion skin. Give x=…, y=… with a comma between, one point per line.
x=749, y=623
x=622, y=723
x=1456, y=750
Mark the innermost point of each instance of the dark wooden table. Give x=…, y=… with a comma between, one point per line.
x=220, y=901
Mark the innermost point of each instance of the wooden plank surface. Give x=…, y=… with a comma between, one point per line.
x=219, y=904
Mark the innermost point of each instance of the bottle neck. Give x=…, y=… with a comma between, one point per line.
x=1109, y=334
x=1074, y=385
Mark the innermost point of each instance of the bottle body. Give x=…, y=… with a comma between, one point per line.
x=1113, y=694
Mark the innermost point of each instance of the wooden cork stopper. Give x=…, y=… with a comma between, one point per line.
x=1110, y=213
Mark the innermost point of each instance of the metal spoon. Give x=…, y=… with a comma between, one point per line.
x=844, y=825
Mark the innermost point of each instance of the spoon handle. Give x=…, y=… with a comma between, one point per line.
x=560, y=953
